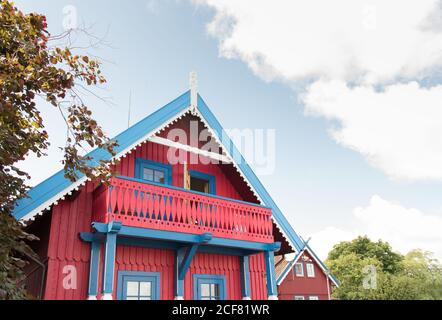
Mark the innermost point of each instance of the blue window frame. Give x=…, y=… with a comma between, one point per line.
x=153, y=171
x=134, y=285
x=209, y=287
x=211, y=180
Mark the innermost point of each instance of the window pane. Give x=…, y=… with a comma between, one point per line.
x=159, y=176
x=200, y=185
x=205, y=290
x=310, y=270
x=215, y=290
x=299, y=270
x=148, y=174
x=299, y=297
x=132, y=288
x=313, y=298
x=145, y=288
x=145, y=298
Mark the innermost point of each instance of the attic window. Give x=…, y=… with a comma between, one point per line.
x=202, y=182
x=299, y=269
x=200, y=185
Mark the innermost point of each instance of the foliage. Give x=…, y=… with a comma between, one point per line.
x=31, y=70
x=364, y=247
x=417, y=275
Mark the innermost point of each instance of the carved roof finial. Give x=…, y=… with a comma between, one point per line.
x=193, y=82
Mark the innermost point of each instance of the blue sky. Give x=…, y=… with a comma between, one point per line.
x=318, y=182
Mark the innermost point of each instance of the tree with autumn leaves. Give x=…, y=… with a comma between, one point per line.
x=31, y=71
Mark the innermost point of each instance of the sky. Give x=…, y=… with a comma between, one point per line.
x=352, y=89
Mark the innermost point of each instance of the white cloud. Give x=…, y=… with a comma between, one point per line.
x=398, y=129
x=404, y=228
x=364, y=43
x=350, y=40
x=324, y=240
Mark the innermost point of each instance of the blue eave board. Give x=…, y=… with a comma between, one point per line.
x=57, y=183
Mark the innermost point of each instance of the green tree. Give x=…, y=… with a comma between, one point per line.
x=373, y=271
x=362, y=246
x=426, y=271
x=30, y=69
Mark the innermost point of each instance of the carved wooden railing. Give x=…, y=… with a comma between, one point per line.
x=145, y=205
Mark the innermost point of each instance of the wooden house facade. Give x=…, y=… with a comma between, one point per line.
x=175, y=222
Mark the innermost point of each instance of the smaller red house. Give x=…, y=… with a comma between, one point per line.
x=304, y=278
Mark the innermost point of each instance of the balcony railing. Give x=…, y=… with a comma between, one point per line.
x=145, y=205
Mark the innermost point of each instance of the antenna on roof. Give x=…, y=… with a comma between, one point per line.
x=128, y=112
x=193, y=83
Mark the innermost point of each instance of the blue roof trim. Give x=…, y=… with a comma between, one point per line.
x=335, y=280
x=57, y=183
x=290, y=265
x=250, y=175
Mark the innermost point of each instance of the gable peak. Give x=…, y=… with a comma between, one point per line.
x=193, y=84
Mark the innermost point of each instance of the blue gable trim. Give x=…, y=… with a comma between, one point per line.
x=333, y=278
x=248, y=172
x=57, y=183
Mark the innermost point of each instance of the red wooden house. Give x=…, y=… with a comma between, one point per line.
x=176, y=222
x=304, y=277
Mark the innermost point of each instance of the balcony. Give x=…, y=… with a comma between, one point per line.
x=139, y=204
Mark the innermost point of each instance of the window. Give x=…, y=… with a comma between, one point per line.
x=299, y=298
x=200, y=185
x=313, y=298
x=138, y=285
x=209, y=287
x=299, y=269
x=310, y=270
x=202, y=182
x=153, y=171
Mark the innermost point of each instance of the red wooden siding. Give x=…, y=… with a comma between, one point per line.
x=303, y=286
x=130, y=258
x=258, y=284
x=71, y=216
x=205, y=263
x=65, y=249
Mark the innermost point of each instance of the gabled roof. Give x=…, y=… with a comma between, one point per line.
x=291, y=264
x=56, y=187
